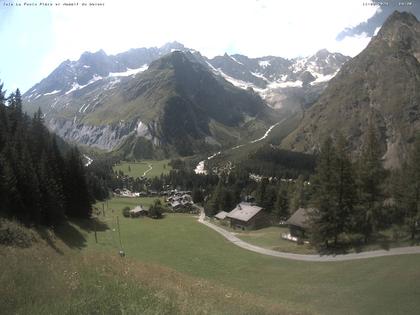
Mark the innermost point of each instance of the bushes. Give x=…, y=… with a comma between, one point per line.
x=156, y=210
x=126, y=212
x=14, y=234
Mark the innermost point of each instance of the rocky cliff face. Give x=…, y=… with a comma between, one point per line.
x=176, y=104
x=381, y=84
x=101, y=100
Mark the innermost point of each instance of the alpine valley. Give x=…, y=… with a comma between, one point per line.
x=380, y=86
x=157, y=102
x=172, y=101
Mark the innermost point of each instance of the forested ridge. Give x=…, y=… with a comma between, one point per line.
x=39, y=183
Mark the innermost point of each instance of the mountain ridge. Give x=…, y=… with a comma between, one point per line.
x=102, y=100
x=379, y=86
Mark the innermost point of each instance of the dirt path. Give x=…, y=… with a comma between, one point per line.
x=148, y=170
x=200, y=168
x=314, y=258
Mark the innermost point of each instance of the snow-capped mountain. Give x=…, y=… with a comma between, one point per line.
x=71, y=76
x=101, y=100
x=281, y=82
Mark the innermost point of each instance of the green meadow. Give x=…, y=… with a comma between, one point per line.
x=138, y=168
x=176, y=265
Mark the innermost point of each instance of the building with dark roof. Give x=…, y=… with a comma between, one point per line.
x=138, y=211
x=221, y=215
x=247, y=216
x=299, y=222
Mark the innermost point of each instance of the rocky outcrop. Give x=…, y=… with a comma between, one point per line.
x=381, y=85
x=106, y=137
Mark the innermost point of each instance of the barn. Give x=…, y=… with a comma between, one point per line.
x=138, y=211
x=299, y=222
x=247, y=216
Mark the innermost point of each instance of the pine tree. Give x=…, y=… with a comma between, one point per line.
x=346, y=187
x=371, y=175
x=298, y=194
x=282, y=203
x=78, y=200
x=156, y=210
x=324, y=221
x=334, y=192
x=410, y=200
x=33, y=172
x=213, y=204
x=261, y=191
x=197, y=195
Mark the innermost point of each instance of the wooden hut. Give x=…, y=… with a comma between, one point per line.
x=299, y=222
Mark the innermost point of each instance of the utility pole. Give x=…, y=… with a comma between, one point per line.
x=122, y=254
x=94, y=228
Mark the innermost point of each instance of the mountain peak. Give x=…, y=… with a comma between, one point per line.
x=172, y=46
x=175, y=59
x=394, y=22
x=402, y=30
x=403, y=16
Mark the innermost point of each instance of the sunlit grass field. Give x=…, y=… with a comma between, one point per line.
x=388, y=285
x=176, y=265
x=137, y=169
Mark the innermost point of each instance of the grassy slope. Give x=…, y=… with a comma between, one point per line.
x=270, y=238
x=138, y=168
x=277, y=134
x=62, y=280
x=388, y=285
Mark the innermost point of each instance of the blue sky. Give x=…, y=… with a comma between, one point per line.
x=35, y=40
x=26, y=36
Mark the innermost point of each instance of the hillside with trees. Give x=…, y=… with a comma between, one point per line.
x=39, y=183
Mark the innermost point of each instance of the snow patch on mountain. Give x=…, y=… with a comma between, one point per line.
x=129, y=72
x=236, y=82
x=276, y=85
x=236, y=60
x=52, y=93
x=264, y=63
x=323, y=78
x=76, y=86
x=299, y=64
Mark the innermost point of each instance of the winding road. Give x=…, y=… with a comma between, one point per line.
x=148, y=170
x=200, y=168
x=312, y=258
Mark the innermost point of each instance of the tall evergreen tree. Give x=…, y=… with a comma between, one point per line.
x=324, y=221
x=371, y=175
x=32, y=170
x=282, y=203
x=334, y=193
x=78, y=201
x=346, y=187
x=298, y=194
x=410, y=195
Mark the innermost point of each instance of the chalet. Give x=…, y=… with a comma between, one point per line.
x=180, y=201
x=247, y=216
x=221, y=215
x=176, y=205
x=249, y=198
x=299, y=222
x=138, y=211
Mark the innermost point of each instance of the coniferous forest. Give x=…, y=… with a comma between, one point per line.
x=40, y=182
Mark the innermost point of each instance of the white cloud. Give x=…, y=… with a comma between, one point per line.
x=350, y=46
x=254, y=28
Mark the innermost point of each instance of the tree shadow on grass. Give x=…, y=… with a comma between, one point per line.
x=90, y=225
x=339, y=249
x=47, y=236
x=71, y=232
